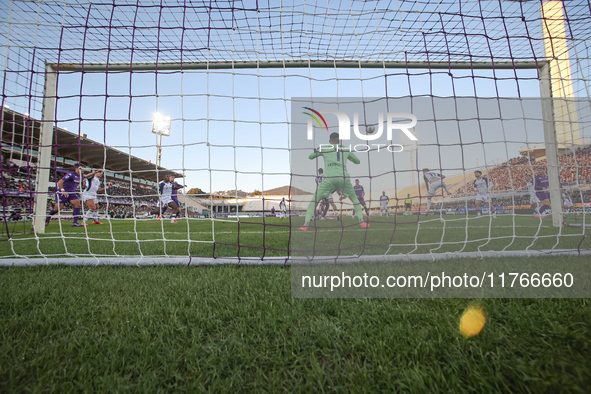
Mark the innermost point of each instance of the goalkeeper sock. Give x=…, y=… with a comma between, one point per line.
x=311, y=209
x=358, y=211
x=428, y=204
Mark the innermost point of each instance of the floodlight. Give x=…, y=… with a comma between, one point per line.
x=161, y=124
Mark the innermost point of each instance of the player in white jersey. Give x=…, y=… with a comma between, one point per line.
x=483, y=185
x=165, y=191
x=567, y=203
x=567, y=200
x=384, y=203
x=282, y=208
x=92, y=186
x=533, y=199
x=433, y=181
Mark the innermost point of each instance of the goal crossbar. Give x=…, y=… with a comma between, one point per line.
x=102, y=67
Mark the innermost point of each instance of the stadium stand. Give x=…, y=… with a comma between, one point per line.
x=130, y=175
x=513, y=174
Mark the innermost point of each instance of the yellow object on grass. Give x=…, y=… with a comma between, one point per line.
x=472, y=321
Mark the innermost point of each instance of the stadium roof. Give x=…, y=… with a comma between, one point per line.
x=22, y=131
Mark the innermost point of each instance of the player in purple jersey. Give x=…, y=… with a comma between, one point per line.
x=360, y=193
x=175, y=192
x=541, y=184
x=67, y=192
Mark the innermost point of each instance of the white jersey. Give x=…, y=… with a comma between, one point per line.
x=91, y=189
x=429, y=176
x=282, y=206
x=566, y=200
x=384, y=201
x=435, y=180
x=92, y=185
x=482, y=185
x=165, y=190
x=532, y=192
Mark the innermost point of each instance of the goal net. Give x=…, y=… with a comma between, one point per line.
x=177, y=132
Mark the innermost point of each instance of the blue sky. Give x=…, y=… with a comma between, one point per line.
x=238, y=113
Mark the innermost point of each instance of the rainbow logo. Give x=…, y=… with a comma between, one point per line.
x=316, y=119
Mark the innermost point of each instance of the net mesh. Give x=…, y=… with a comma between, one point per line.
x=226, y=73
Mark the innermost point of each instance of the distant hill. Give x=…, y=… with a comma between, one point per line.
x=279, y=191
x=284, y=191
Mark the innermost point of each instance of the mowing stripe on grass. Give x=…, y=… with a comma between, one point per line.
x=287, y=231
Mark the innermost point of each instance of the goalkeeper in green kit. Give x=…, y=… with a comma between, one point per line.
x=336, y=178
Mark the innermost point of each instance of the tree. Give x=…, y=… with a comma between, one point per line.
x=256, y=193
x=195, y=190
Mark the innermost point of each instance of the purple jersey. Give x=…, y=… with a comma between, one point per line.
x=71, y=182
x=174, y=194
x=541, y=182
x=358, y=191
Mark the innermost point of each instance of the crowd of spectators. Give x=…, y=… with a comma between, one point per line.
x=122, y=192
x=123, y=211
x=17, y=184
x=15, y=188
x=14, y=184
x=576, y=167
x=515, y=173
x=14, y=208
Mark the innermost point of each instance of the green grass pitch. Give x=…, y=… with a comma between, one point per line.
x=236, y=328
x=255, y=237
